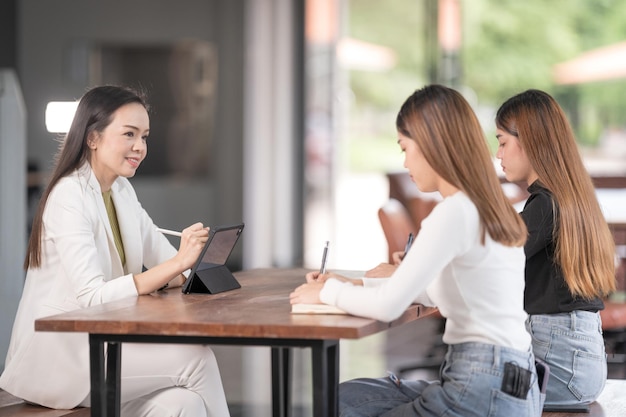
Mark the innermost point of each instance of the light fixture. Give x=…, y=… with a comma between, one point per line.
x=59, y=115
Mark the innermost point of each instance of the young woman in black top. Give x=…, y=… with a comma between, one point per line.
x=570, y=250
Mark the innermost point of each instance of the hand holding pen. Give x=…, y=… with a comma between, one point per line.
x=397, y=257
x=319, y=277
x=315, y=276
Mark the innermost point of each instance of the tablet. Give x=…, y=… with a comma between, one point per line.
x=210, y=274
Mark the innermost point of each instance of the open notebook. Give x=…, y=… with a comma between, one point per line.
x=315, y=309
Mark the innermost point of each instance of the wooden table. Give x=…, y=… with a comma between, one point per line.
x=257, y=314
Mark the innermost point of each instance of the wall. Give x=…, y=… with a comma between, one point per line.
x=13, y=209
x=8, y=43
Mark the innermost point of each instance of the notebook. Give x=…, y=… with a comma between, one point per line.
x=315, y=309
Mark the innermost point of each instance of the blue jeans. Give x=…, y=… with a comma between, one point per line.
x=469, y=386
x=573, y=346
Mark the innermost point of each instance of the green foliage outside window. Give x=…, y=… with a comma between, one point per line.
x=507, y=46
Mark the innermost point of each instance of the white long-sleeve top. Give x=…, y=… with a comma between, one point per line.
x=478, y=288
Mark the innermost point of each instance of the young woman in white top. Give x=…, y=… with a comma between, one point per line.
x=468, y=260
x=90, y=241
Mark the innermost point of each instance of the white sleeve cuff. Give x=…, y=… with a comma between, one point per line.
x=330, y=291
x=372, y=282
x=118, y=288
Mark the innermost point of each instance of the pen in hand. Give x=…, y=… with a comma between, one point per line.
x=324, y=258
x=409, y=242
x=169, y=232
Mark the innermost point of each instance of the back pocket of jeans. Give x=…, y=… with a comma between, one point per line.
x=589, y=376
x=503, y=404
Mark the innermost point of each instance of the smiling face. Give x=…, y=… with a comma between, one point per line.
x=513, y=159
x=118, y=150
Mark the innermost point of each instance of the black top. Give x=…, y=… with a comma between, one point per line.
x=546, y=291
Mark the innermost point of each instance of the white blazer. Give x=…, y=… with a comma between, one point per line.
x=80, y=267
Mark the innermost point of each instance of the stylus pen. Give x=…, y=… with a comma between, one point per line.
x=169, y=232
x=409, y=242
x=324, y=258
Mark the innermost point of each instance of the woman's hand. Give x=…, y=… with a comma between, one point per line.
x=397, y=257
x=316, y=276
x=170, y=272
x=192, y=242
x=383, y=270
x=308, y=293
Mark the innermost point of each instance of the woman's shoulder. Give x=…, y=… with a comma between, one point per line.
x=70, y=195
x=72, y=184
x=455, y=211
x=459, y=202
x=539, y=198
x=538, y=191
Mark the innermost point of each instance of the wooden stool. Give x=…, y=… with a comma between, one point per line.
x=16, y=407
x=611, y=403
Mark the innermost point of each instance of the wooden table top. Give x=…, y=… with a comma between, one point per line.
x=259, y=309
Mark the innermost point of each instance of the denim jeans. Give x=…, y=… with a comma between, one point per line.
x=469, y=386
x=573, y=346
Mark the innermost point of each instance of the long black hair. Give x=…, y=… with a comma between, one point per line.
x=94, y=113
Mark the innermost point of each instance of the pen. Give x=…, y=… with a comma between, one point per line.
x=169, y=232
x=324, y=258
x=409, y=242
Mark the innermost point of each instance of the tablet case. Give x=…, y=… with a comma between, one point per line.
x=210, y=274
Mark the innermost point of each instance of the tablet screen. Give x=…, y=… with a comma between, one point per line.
x=221, y=244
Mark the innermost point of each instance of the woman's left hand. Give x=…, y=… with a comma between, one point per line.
x=383, y=270
x=308, y=293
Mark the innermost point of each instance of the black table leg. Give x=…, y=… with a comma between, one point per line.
x=105, y=386
x=281, y=381
x=325, y=378
x=113, y=378
x=97, y=376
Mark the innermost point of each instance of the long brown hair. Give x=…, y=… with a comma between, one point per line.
x=449, y=135
x=94, y=114
x=585, y=248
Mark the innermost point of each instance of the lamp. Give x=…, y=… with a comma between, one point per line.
x=59, y=115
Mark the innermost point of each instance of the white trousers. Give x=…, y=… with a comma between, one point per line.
x=170, y=380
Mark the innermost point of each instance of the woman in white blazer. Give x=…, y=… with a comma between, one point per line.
x=91, y=239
